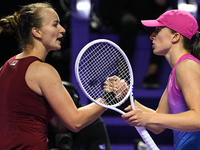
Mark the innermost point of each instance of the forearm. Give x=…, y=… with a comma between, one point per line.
x=188, y=121
x=143, y=108
x=88, y=114
x=154, y=128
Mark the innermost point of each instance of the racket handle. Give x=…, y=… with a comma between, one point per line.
x=147, y=138
x=143, y=132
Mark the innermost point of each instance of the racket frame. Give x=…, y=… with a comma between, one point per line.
x=141, y=130
x=113, y=107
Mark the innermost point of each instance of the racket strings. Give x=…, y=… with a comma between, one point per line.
x=99, y=62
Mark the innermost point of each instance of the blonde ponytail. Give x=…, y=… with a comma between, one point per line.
x=9, y=23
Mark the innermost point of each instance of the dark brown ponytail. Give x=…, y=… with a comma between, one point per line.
x=195, y=49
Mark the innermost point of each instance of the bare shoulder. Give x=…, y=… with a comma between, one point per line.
x=188, y=66
x=42, y=68
x=187, y=73
x=41, y=75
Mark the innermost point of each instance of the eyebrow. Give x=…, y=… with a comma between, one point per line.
x=56, y=21
x=161, y=27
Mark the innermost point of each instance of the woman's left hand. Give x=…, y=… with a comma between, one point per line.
x=135, y=117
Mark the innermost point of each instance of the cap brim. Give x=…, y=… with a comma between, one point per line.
x=152, y=23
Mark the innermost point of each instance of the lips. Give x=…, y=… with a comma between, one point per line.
x=153, y=45
x=59, y=38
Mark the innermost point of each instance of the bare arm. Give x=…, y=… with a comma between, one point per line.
x=142, y=114
x=44, y=80
x=188, y=81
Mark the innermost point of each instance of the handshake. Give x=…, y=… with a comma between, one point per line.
x=117, y=86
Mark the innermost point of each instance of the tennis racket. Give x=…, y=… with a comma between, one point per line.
x=99, y=60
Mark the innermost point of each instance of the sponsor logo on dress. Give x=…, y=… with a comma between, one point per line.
x=14, y=63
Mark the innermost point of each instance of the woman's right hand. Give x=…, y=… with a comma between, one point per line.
x=116, y=85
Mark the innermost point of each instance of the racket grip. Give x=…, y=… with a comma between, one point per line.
x=147, y=138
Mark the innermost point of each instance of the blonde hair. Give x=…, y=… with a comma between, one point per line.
x=23, y=21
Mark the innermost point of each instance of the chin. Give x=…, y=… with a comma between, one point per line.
x=156, y=52
x=159, y=54
x=57, y=48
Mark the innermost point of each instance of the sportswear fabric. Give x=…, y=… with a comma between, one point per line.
x=177, y=104
x=24, y=115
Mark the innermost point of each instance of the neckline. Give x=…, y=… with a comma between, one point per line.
x=26, y=58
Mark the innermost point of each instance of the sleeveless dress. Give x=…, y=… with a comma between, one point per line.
x=177, y=104
x=24, y=115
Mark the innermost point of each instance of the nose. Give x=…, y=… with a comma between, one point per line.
x=62, y=30
x=152, y=36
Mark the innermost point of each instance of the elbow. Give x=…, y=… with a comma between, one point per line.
x=159, y=130
x=75, y=130
x=197, y=126
x=75, y=127
x=156, y=130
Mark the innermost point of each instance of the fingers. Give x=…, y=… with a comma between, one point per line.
x=130, y=118
x=120, y=89
x=113, y=78
x=110, y=84
x=108, y=87
x=116, y=85
x=129, y=108
x=136, y=117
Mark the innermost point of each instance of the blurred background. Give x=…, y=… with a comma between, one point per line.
x=118, y=21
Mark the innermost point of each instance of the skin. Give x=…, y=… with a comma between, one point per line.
x=187, y=74
x=44, y=80
x=117, y=86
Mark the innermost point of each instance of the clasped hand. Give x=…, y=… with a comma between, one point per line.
x=119, y=87
x=116, y=85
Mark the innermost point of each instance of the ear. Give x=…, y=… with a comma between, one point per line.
x=36, y=32
x=176, y=37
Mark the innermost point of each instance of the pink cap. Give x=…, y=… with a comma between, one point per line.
x=178, y=20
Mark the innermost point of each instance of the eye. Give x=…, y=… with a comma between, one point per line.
x=55, y=25
x=158, y=29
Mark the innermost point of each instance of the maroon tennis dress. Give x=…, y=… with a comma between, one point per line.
x=24, y=115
